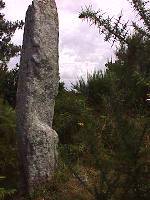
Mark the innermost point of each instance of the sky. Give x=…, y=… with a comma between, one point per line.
x=81, y=48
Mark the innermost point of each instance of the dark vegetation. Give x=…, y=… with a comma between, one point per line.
x=103, y=124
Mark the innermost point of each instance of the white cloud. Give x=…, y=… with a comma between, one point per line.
x=82, y=49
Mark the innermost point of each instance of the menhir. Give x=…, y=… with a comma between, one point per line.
x=37, y=89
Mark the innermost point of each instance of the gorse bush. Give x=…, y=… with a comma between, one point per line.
x=116, y=146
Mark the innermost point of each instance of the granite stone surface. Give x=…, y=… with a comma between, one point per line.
x=37, y=89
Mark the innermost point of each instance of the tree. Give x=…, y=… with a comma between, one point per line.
x=8, y=83
x=132, y=68
x=115, y=29
x=8, y=79
x=7, y=30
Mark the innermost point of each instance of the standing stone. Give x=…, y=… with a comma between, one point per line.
x=37, y=89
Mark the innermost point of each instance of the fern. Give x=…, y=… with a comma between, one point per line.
x=5, y=192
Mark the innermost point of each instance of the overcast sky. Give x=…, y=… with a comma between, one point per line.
x=81, y=48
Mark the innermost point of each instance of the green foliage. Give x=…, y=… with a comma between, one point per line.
x=113, y=31
x=8, y=79
x=7, y=30
x=68, y=116
x=115, y=122
x=140, y=6
x=116, y=30
x=116, y=145
x=8, y=150
x=118, y=142
x=8, y=85
x=5, y=192
x=95, y=88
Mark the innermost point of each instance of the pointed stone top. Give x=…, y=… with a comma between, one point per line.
x=45, y=6
x=44, y=3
